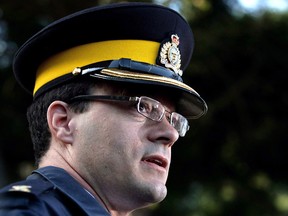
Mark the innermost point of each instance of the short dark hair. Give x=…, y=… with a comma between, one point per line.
x=36, y=113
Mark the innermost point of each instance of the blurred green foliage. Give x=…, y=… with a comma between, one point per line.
x=233, y=160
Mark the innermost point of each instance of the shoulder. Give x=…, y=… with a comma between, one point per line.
x=22, y=198
x=36, y=196
x=29, y=186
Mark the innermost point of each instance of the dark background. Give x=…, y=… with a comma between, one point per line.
x=234, y=160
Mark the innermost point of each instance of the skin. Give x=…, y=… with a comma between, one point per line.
x=107, y=150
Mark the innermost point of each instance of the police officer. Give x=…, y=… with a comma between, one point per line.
x=109, y=103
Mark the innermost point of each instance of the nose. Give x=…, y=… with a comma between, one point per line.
x=163, y=133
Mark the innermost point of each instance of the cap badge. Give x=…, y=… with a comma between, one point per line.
x=170, y=55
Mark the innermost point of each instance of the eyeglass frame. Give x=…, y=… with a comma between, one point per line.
x=137, y=100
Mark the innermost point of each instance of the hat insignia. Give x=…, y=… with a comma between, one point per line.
x=170, y=55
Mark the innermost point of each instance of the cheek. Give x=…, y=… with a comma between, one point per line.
x=115, y=135
x=112, y=137
x=124, y=148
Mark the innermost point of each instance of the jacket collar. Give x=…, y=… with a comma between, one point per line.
x=71, y=188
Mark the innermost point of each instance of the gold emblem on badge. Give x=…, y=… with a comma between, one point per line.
x=170, y=55
x=22, y=188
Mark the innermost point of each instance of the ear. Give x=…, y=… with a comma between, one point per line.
x=59, y=118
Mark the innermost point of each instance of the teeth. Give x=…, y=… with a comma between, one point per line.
x=158, y=162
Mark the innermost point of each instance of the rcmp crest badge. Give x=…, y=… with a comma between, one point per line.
x=170, y=55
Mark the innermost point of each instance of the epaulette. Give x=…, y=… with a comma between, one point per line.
x=21, y=193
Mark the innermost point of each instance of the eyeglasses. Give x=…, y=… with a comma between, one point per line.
x=146, y=106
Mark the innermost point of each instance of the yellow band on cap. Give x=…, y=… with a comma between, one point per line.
x=65, y=62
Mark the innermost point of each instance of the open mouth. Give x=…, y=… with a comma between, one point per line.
x=159, y=161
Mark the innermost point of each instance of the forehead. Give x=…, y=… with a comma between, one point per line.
x=131, y=89
x=165, y=95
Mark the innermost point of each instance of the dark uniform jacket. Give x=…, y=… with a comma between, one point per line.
x=48, y=191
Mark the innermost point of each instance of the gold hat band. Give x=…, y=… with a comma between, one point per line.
x=147, y=77
x=65, y=62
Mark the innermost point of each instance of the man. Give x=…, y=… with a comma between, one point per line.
x=109, y=103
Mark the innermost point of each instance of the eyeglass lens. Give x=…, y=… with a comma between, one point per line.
x=155, y=111
x=150, y=108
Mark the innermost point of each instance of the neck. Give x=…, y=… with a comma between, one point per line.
x=60, y=161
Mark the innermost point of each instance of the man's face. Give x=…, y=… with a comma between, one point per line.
x=124, y=156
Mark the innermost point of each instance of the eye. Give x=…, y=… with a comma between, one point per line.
x=150, y=108
x=174, y=120
x=144, y=107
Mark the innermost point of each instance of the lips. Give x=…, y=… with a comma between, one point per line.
x=157, y=160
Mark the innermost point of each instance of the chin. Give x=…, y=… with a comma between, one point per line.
x=157, y=193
